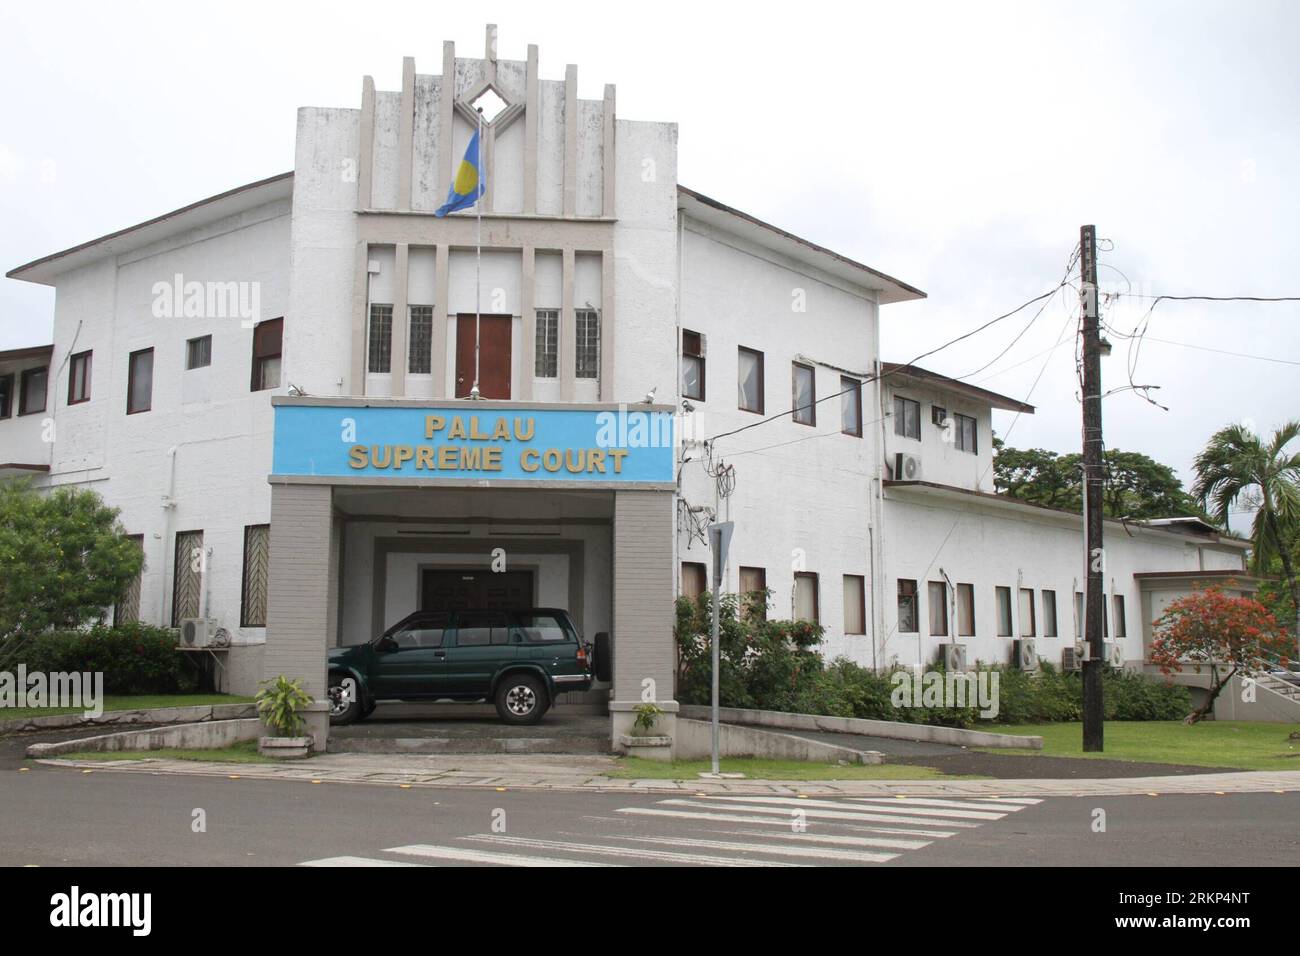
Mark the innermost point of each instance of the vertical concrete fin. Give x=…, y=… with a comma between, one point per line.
x=406, y=135
x=570, y=140
x=441, y=322
x=446, y=148
x=528, y=308
x=397, y=367
x=360, y=306
x=607, y=154
x=606, y=326
x=490, y=51
x=568, y=338
x=366, y=161
x=531, y=111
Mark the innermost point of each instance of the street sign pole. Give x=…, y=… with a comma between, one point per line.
x=719, y=543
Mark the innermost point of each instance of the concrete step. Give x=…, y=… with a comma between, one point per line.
x=470, y=745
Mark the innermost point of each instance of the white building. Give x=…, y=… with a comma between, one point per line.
x=212, y=370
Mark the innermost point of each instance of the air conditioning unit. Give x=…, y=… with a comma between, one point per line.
x=1115, y=654
x=954, y=658
x=1072, y=659
x=1024, y=654
x=907, y=467
x=1082, y=652
x=197, y=632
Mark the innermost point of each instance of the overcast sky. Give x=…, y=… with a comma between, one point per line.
x=958, y=147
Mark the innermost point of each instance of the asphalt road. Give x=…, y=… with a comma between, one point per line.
x=52, y=817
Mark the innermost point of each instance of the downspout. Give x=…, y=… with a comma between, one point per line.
x=169, y=507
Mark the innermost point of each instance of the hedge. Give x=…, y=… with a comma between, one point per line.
x=134, y=658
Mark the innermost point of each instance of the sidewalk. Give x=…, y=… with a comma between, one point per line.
x=583, y=774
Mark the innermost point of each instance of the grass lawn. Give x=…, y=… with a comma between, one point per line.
x=638, y=768
x=1246, y=745
x=142, y=702
x=243, y=752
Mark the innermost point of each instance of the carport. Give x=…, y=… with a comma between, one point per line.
x=381, y=507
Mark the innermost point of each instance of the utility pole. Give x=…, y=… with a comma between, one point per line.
x=1092, y=505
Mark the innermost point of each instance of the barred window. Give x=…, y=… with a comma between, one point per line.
x=420, y=360
x=381, y=338
x=257, y=560
x=187, y=576
x=546, y=355
x=128, y=607
x=588, y=343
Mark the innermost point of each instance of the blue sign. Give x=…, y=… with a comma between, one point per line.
x=464, y=442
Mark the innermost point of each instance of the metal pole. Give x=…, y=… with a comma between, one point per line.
x=478, y=248
x=1093, y=721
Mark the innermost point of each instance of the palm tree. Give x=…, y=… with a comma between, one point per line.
x=1237, y=464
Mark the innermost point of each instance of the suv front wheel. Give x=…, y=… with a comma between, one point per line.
x=345, y=707
x=521, y=699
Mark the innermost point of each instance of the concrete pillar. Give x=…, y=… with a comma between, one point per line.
x=643, y=609
x=302, y=594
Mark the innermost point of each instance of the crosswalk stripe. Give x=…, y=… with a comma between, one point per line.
x=855, y=856
x=1027, y=801
x=902, y=807
x=783, y=821
x=878, y=816
x=356, y=861
x=829, y=839
x=462, y=855
x=927, y=802
x=617, y=851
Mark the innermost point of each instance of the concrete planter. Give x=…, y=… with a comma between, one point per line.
x=651, y=748
x=284, y=748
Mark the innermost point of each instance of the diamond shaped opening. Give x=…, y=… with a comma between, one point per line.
x=490, y=102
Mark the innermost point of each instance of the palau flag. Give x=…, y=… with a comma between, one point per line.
x=469, y=185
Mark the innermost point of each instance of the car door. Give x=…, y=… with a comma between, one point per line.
x=479, y=645
x=409, y=661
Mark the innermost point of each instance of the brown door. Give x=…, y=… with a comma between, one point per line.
x=458, y=590
x=493, y=359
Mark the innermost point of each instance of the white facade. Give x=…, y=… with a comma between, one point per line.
x=583, y=212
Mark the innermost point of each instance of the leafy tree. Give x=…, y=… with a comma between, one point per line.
x=64, y=558
x=1238, y=464
x=1228, y=634
x=1136, y=486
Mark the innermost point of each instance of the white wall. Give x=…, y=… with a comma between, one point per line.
x=941, y=461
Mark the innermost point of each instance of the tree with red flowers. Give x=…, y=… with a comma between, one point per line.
x=1229, y=634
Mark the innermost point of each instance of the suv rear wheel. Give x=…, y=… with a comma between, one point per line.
x=521, y=699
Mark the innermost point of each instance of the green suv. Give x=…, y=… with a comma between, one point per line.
x=518, y=659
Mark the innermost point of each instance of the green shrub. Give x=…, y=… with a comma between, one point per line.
x=134, y=658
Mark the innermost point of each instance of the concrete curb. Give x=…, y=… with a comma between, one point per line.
x=694, y=740
x=110, y=718
x=895, y=730
x=202, y=736
x=329, y=769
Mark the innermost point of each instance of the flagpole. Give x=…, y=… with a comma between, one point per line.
x=478, y=251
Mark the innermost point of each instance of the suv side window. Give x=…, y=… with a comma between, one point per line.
x=425, y=631
x=541, y=628
x=481, y=628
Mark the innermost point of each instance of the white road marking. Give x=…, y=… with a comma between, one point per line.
x=893, y=807
x=854, y=856
x=817, y=812
x=357, y=861
x=828, y=838
x=999, y=806
x=461, y=855
x=783, y=821
x=618, y=851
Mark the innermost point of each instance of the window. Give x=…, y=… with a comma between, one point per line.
x=1028, y=623
x=750, y=398
x=1121, y=626
x=587, y=333
x=855, y=604
x=938, y=415
x=481, y=628
x=966, y=610
x=127, y=608
x=1078, y=615
x=380, y=341
x=268, y=341
x=419, y=356
x=851, y=406
x=1105, y=619
x=257, y=564
x=965, y=433
x=695, y=580
x=198, y=352
x=6, y=395
x=139, y=382
x=31, y=399
x=1049, y=613
x=541, y=628
x=907, y=616
x=805, y=597
x=425, y=631
x=1004, y=611
x=692, y=365
x=803, y=389
x=79, y=378
x=546, y=350
x=753, y=590
x=187, y=576
x=937, y=602
x=907, y=417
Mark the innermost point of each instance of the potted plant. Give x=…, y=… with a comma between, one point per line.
x=643, y=741
x=278, y=704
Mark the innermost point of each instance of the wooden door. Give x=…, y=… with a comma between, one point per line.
x=494, y=355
